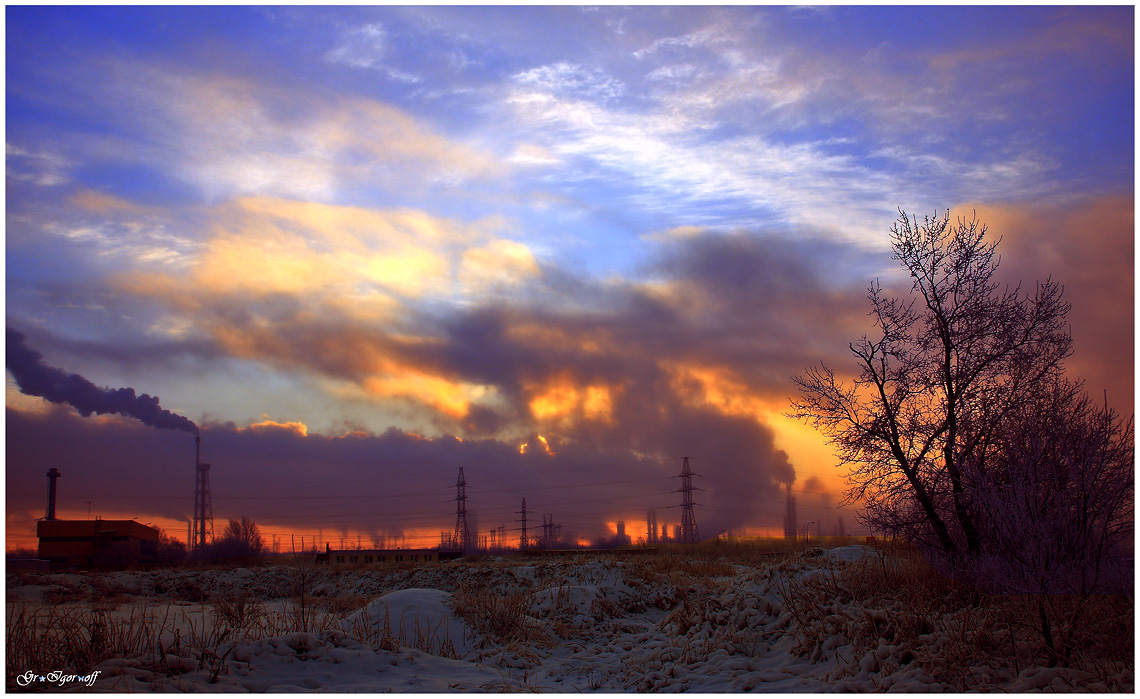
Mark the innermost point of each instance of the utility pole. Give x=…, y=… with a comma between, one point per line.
x=689, y=533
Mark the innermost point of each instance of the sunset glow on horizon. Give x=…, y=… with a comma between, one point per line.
x=560, y=248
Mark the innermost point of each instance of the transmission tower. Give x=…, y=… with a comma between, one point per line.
x=550, y=531
x=522, y=520
x=689, y=533
x=461, y=538
x=203, y=510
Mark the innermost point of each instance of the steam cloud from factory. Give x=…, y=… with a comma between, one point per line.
x=58, y=386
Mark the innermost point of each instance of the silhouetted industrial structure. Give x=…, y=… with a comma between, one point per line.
x=359, y=557
x=790, y=515
x=621, y=539
x=462, y=538
x=203, y=509
x=86, y=543
x=550, y=532
x=651, y=527
x=109, y=543
x=523, y=541
x=52, y=475
x=689, y=533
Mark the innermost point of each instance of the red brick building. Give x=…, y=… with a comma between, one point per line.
x=96, y=543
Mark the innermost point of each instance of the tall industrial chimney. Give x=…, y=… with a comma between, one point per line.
x=790, y=530
x=52, y=476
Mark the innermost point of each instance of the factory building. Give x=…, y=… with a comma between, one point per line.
x=95, y=543
x=363, y=557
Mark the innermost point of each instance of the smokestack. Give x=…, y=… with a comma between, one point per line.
x=790, y=529
x=52, y=476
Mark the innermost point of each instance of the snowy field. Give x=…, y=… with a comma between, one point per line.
x=820, y=620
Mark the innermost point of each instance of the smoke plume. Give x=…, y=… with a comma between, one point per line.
x=56, y=385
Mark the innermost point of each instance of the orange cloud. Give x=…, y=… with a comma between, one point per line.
x=807, y=448
x=598, y=403
x=324, y=254
x=557, y=400
x=499, y=263
x=298, y=428
x=525, y=446
x=322, y=287
x=561, y=399
x=448, y=397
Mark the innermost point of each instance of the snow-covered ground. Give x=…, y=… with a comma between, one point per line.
x=584, y=624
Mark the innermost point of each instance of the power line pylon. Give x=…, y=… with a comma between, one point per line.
x=203, y=509
x=689, y=533
x=461, y=538
x=522, y=520
x=550, y=531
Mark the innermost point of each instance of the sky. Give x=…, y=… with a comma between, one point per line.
x=558, y=247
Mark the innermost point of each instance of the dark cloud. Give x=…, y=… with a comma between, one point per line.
x=767, y=303
x=164, y=354
x=38, y=379
x=1088, y=248
x=622, y=374
x=384, y=484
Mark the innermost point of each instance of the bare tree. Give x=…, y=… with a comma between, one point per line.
x=1056, y=504
x=242, y=539
x=953, y=378
x=169, y=550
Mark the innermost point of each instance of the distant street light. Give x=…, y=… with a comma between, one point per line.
x=809, y=529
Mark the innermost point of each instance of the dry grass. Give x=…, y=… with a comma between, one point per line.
x=955, y=633
x=843, y=615
x=73, y=636
x=504, y=618
x=172, y=639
